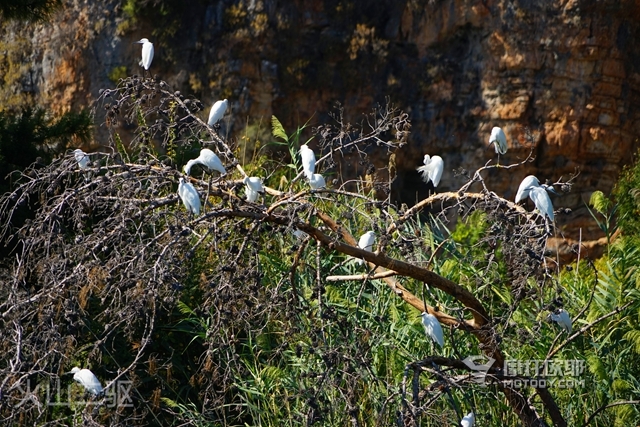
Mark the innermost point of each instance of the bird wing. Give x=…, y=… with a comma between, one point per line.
x=147, y=55
x=88, y=381
x=432, y=171
x=308, y=161
x=215, y=164
x=190, y=198
x=523, y=192
x=433, y=329
x=542, y=201
x=217, y=112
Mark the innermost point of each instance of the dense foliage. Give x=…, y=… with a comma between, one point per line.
x=228, y=318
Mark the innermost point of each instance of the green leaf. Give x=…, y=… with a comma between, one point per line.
x=277, y=129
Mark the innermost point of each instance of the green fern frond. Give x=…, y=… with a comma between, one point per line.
x=278, y=130
x=599, y=202
x=596, y=367
x=633, y=337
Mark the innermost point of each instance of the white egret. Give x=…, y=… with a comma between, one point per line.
x=366, y=242
x=308, y=161
x=499, y=139
x=81, y=157
x=541, y=199
x=469, y=420
x=147, y=53
x=316, y=181
x=217, y=111
x=523, y=189
x=189, y=196
x=432, y=169
x=252, y=196
x=207, y=158
x=432, y=328
x=254, y=183
x=89, y=381
x=563, y=319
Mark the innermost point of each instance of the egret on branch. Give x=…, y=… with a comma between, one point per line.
x=147, y=53
x=253, y=187
x=523, y=189
x=469, y=420
x=217, y=112
x=432, y=328
x=81, y=157
x=308, y=161
x=189, y=196
x=563, y=319
x=366, y=242
x=499, y=139
x=89, y=381
x=539, y=196
x=207, y=158
x=316, y=181
x=432, y=169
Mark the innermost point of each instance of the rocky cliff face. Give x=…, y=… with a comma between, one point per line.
x=562, y=78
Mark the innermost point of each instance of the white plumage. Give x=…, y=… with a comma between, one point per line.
x=147, y=53
x=316, y=181
x=207, y=158
x=89, y=381
x=469, y=420
x=217, y=111
x=523, y=189
x=252, y=196
x=81, y=158
x=254, y=183
x=563, y=319
x=189, y=196
x=432, y=328
x=308, y=161
x=542, y=200
x=432, y=169
x=499, y=139
x=366, y=242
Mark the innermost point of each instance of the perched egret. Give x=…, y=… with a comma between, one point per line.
x=563, y=319
x=308, y=161
x=469, y=420
x=541, y=199
x=189, y=196
x=432, y=169
x=252, y=196
x=432, y=328
x=89, y=381
x=217, y=111
x=316, y=181
x=523, y=189
x=147, y=53
x=254, y=183
x=366, y=242
x=207, y=158
x=81, y=157
x=499, y=139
